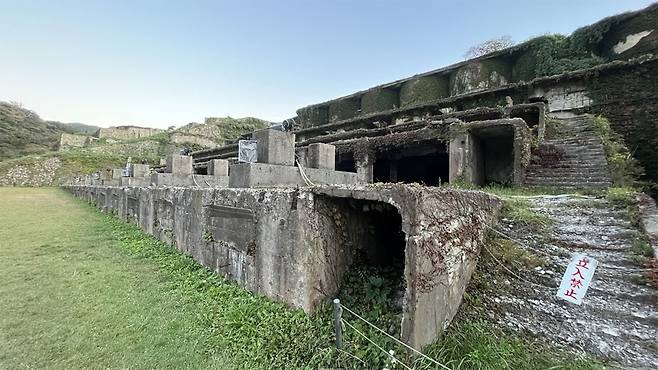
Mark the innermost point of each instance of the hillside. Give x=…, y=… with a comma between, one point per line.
x=23, y=132
x=82, y=128
x=29, y=154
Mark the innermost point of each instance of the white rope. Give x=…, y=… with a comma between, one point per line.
x=550, y=255
x=375, y=344
x=395, y=339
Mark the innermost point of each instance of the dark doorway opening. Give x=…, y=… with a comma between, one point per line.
x=426, y=164
x=373, y=282
x=345, y=162
x=494, y=152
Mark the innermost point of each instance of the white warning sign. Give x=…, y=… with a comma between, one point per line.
x=577, y=278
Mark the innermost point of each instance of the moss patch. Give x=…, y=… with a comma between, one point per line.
x=344, y=109
x=423, y=89
x=380, y=100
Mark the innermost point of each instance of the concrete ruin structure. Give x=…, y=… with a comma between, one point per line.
x=126, y=132
x=365, y=172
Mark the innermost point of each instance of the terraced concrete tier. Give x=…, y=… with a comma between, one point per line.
x=573, y=157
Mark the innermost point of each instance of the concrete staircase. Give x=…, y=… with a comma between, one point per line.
x=571, y=156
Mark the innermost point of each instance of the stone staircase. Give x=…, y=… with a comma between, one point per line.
x=570, y=157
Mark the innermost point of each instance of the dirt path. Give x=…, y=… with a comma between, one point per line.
x=618, y=320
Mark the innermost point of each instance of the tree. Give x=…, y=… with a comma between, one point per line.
x=489, y=46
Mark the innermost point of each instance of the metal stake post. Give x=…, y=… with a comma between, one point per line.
x=338, y=314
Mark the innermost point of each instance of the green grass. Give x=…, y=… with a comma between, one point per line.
x=84, y=290
x=73, y=297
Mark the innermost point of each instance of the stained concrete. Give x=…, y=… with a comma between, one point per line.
x=320, y=155
x=282, y=243
x=172, y=179
x=250, y=175
x=275, y=147
x=179, y=164
x=138, y=170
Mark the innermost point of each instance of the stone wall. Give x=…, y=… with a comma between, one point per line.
x=67, y=141
x=126, y=132
x=282, y=243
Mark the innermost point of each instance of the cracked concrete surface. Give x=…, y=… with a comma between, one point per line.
x=618, y=320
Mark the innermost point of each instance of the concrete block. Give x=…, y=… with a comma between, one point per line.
x=117, y=173
x=251, y=175
x=275, y=147
x=138, y=170
x=135, y=181
x=179, y=164
x=218, y=167
x=172, y=179
x=320, y=155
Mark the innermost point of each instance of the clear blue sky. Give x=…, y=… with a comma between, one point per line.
x=161, y=63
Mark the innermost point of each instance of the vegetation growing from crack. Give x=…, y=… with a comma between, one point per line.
x=624, y=169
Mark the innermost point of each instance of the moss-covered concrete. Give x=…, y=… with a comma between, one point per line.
x=344, y=109
x=380, y=100
x=312, y=116
x=480, y=75
x=423, y=89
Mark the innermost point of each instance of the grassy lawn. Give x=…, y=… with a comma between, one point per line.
x=71, y=298
x=82, y=289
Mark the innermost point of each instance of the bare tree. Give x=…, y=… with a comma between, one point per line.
x=489, y=46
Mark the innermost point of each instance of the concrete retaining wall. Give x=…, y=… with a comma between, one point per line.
x=283, y=243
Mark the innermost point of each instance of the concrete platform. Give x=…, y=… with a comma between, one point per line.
x=135, y=181
x=172, y=179
x=251, y=175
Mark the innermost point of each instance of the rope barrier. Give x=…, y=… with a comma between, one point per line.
x=395, y=339
x=375, y=344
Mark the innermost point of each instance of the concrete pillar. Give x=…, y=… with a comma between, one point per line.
x=275, y=147
x=321, y=155
x=218, y=167
x=364, y=169
x=179, y=164
x=138, y=170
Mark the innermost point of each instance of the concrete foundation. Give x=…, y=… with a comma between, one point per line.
x=251, y=175
x=287, y=245
x=135, y=181
x=172, y=179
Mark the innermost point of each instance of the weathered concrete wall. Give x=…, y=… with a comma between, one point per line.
x=473, y=162
x=619, y=37
x=126, y=132
x=282, y=243
x=67, y=141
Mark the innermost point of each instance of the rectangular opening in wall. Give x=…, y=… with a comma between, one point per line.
x=345, y=162
x=530, y=116
x=493, y=149
x=371, y=269
x=425, y=163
